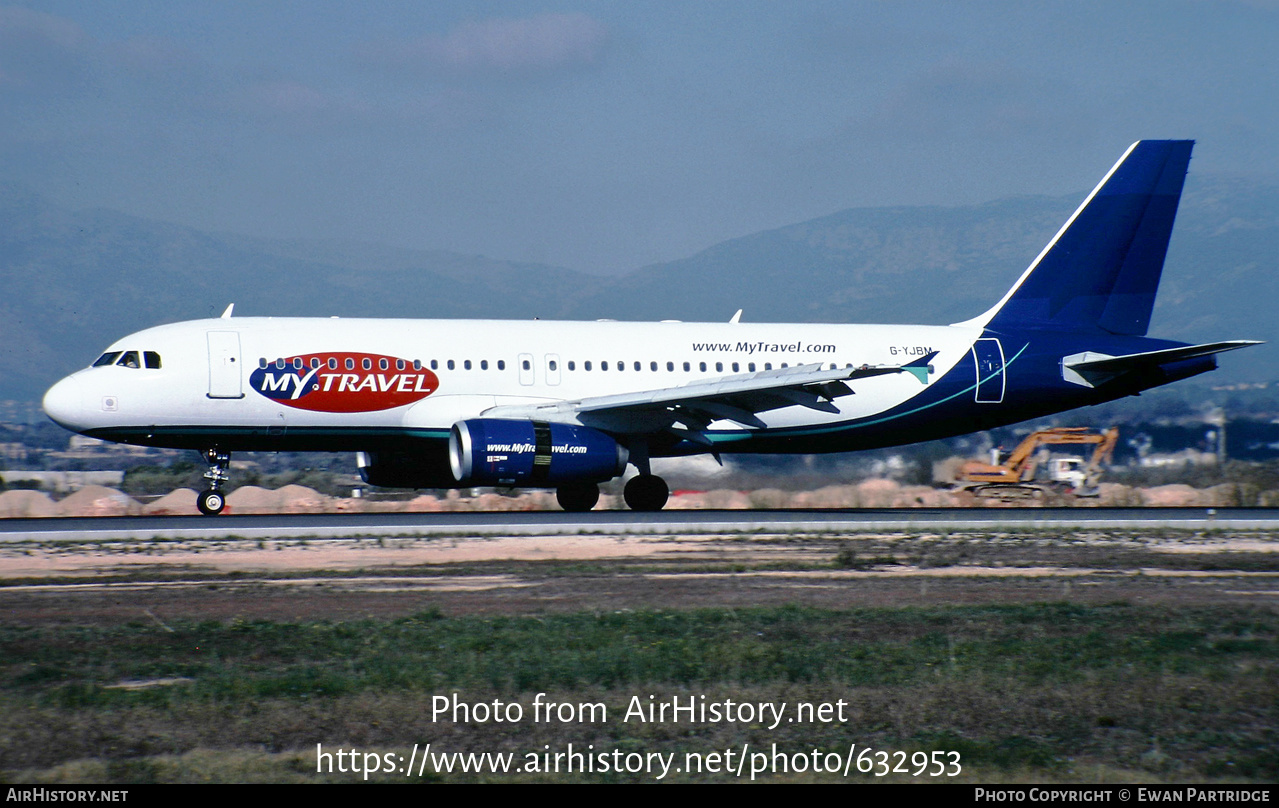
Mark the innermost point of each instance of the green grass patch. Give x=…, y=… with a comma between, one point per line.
x=1014, y=688
x=248, y=659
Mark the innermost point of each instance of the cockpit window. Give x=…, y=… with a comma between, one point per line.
x=129, y=359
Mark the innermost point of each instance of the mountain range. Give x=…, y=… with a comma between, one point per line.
x=75, y=280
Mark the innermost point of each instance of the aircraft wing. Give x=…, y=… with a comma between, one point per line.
x=1091, y=369
x=688, y=409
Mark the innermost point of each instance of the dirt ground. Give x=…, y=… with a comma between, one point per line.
x=61, y=583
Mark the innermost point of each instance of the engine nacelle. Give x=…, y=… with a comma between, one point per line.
x=491, y=451
x=425, y=467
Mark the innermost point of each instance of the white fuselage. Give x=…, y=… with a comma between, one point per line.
x=480, y=365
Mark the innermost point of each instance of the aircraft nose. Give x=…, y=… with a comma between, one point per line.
x=64, y=403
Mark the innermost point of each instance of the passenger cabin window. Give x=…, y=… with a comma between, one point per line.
x=501, y=364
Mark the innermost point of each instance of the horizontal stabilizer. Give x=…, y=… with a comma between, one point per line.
x=1090, y=369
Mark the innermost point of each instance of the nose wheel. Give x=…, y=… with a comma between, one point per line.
x=211, y=501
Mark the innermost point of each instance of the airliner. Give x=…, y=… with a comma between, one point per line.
x=568, y=405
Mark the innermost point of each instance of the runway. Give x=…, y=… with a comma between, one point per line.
x=555, y=523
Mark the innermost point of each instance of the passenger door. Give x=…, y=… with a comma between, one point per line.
x=989, y=357
x=224, y=365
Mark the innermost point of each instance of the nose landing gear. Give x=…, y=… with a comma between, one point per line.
x=211, y=501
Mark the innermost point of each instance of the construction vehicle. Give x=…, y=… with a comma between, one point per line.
x=1018, y=476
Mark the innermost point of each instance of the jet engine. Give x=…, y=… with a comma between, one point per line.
x=491, y=451
x=424, y=467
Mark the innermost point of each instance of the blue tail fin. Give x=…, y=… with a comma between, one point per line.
x=1101, y=271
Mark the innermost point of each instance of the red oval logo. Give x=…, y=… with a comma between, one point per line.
x=344, y=382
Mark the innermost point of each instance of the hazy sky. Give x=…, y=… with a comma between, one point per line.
x=605, y=136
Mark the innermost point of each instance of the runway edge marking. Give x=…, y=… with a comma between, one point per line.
x=709, y=527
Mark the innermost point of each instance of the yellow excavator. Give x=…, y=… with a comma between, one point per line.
x=1015, y=477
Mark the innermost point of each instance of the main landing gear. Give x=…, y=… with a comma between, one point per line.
x=647, y=492
x=578, y=497
x=211, y=501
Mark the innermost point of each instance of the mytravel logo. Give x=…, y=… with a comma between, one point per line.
x=344, y=382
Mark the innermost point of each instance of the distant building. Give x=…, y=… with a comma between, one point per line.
x=62, y=481
x=1186, y=457
x=80, y=447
